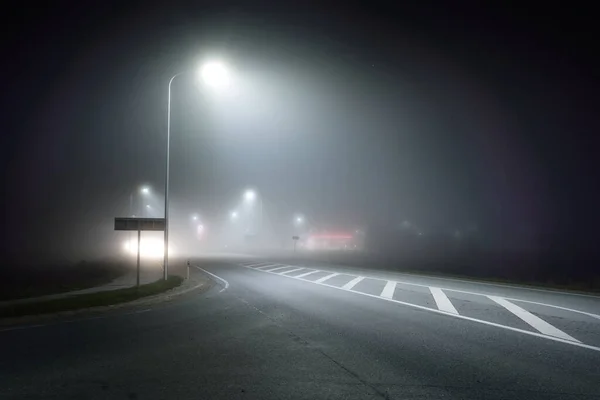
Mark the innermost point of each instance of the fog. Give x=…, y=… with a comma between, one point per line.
x=403, y=136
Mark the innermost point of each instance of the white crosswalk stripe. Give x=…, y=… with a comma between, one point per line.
x=442, y=301
x=266, y=267
x=353, y=282
x=306, y=273
x=388, y=290
x=533, y=320
x=293, y=270
x=256, y=265
x=278, y=268
x=323, y=279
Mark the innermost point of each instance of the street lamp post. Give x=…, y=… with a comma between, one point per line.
x=216, y=75
x=166, y=238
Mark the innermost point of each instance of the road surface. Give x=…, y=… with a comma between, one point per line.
x=277, y=331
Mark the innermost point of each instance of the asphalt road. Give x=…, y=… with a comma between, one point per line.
x=275, y=331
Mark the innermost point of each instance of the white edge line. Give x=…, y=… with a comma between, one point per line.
x=589, y=314
x=217, y=277
x=540, y=335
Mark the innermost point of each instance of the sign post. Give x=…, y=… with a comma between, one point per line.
x=139, y=225
x=295, y=239
x=137, y=281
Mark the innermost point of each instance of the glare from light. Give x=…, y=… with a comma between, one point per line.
x=234, y=215
x=200, y=229
x=249, y=195
x=149, y=248
x=194, y=217
x=215, y=74
x=148, y=206
x=145, y=190
x=299, y=220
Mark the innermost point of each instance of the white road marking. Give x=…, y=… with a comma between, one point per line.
x=533, y=320
x=388, y=290
x=306, y=274
x=289, y=272
x=226, y=284
x=323, y=279
x=353, y=282
x=442, y=301
x=463, y=317
x=596, y=316
x=254, y=265
x=503, y=285
x=278, y=268
x=267, y=266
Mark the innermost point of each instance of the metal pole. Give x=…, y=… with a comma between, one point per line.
x=166, y=241
x=130, y=214
x=138, y=258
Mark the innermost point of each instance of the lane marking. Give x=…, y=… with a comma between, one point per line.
x=226, y=284
x=353, y=282
x=267, y=266
x=323, y=279
x=278, y=268
x=289, y=272
x=442, y=301
x=254, y=265
x=554, y=291
x=589, y=314
x=388, y=290
x=306, y=274
x=463, y=317
x=533, y=320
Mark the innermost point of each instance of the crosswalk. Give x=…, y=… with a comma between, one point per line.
x=512, y=314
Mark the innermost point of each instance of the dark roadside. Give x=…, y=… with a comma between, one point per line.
x=68, y=303
x=21, y=280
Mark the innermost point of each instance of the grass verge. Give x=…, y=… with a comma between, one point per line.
x=90, y=300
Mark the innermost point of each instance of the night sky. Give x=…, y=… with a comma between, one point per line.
x=447, y=116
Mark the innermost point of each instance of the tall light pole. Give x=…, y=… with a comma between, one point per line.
x=215, y=74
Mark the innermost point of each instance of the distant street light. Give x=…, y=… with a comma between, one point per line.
x=144, y=190
x=251, y=195
x=299, y=220
x=194, y=217
x=214, y=74
x=233, y=215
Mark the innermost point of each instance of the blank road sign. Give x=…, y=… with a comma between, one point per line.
x=139, y=224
